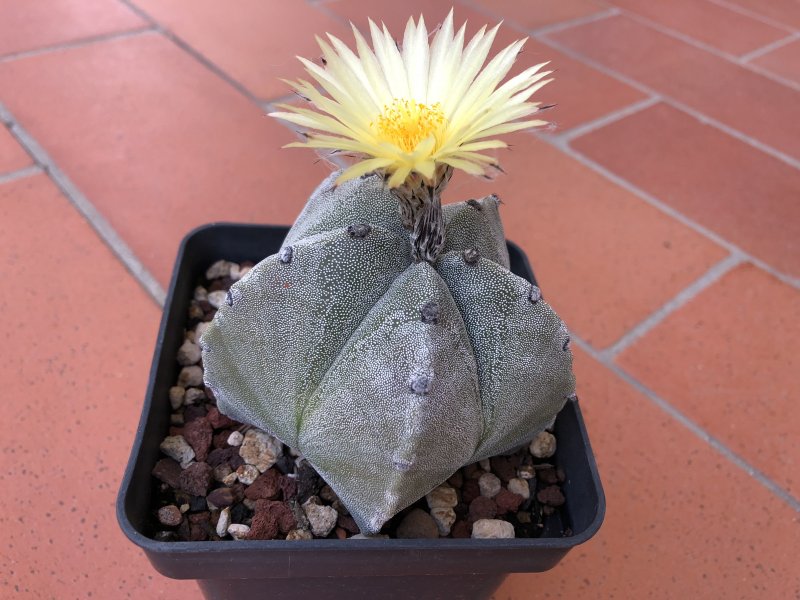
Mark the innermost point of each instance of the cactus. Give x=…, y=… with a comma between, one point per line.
x=388, y=374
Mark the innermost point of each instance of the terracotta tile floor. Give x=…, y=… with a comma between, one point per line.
x=662, y=216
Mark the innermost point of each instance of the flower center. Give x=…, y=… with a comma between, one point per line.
x=406, y=123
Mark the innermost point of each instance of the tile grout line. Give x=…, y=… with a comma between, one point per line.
x=82, y=204
x=696, y=429
x=754, y=15
x=606, y=119
x=568, y=24
x=217, y=70
x=20, y=173
x=783, y=157
x=759, y=52
x=690, y=41
x=107, y=37
x=714, y=274
x=667, y=209
x=193, y=52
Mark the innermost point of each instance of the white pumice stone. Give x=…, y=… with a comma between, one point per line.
x=519, y=486
x=217, y=299
x=260, y=449
x=238, y=531
x=443, y=496
x=492, y=529
x=444, y=519
x=176, y=447
x=247, y=474
x=235, y=439
x=543, y=445
x=224, y=522
x=176, y=393
x=490, y=485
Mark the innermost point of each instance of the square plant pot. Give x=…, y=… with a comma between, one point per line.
x=325, y=568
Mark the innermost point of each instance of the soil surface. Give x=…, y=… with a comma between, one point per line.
x=219, y=479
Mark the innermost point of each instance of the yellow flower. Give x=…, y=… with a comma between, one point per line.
x=418, y=110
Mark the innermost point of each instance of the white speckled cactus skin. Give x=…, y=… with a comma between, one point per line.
x=388, y=375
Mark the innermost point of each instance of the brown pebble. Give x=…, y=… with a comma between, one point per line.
x=341, y=533
x=168, y=471
x=267, y=486
x=218, y=420
x=175, y=430
x=505, y=467
x=507, y=501
x=281, y=511
x=230, y=456
x=198, y=434
x=190, y=413
x=460, y=529
x=548, y=476
x=170, y=515
x=197, y=533
x=470, y=490
x=482, y=508
x=472, y=470
x=551, y=496
x=347, y=523
x=221, y=497
x=196, y=478
x=456, y=480
x=562, y=477
x=417, y=524
x=548, y=510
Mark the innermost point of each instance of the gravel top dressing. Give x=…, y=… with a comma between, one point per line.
x=222, y=480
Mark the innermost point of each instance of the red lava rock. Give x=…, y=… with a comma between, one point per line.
x=175, y=430
x=470, y=490
x=482, y=508
x=221, y=439
x=168, y=471
x=221, y=497
x=196, y=478
x=218, y=420
x=505, y=467
x=551, y=496
x=192, y=412
x=289, y=487
x=264, y=526
x=198, y=434
x=507, y=501
x=281, y=511
x=170, y=515
x=549, y=476
x=347, y=523
x=460, y=529
x=267, y=486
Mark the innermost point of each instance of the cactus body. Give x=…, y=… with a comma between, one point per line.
x=388, y=374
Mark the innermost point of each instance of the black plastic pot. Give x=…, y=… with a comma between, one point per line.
x=321, y=569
